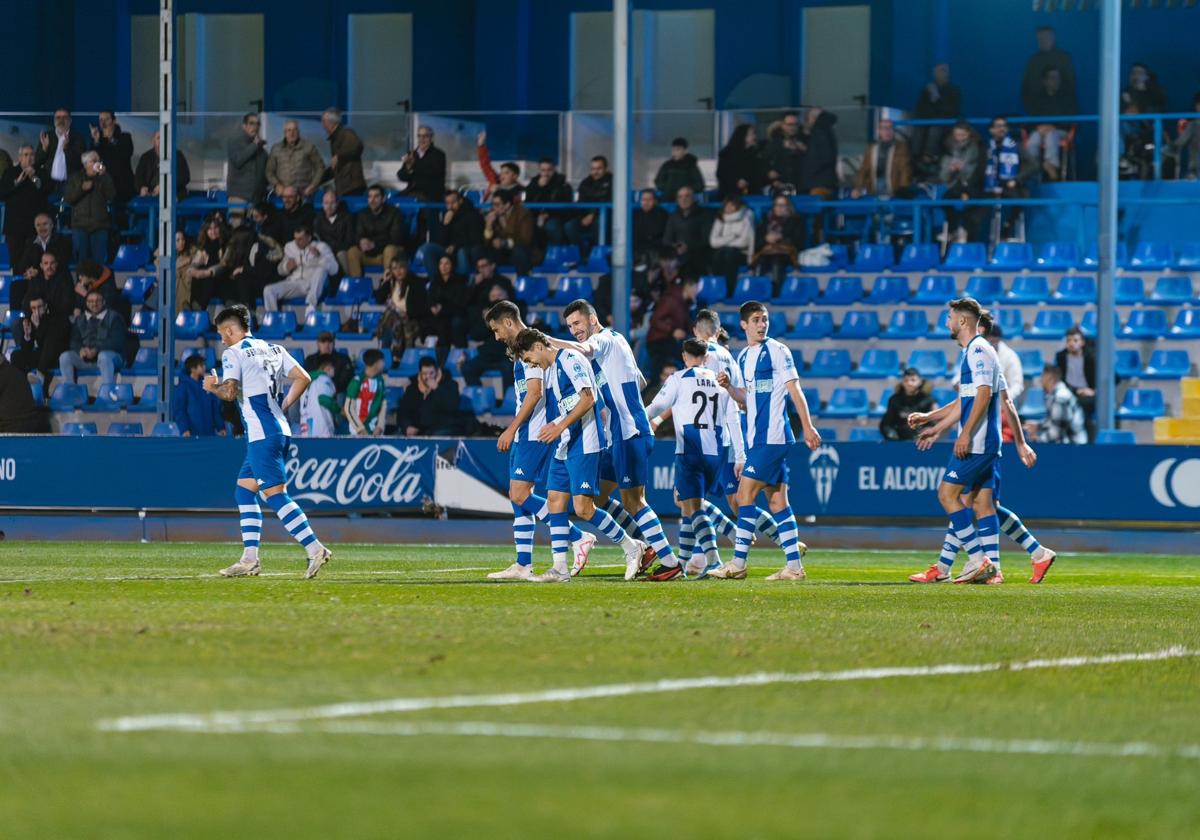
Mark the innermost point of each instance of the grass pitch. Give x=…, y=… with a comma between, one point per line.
x=94, y=633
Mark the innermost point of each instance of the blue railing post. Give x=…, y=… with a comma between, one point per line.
x=1158, y=135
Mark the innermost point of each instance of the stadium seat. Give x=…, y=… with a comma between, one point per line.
x=560, y=258
x=1033, y=406
x=943, y=322
x=1075, y=288
x=888, y=290
x=39, y=395
x=456, y=357
x=145, y=363
x=944, y=396
x=712, y=289
x=599, y=260
x=570, y=288
x=275, y=326
x=751, y=287
x=165, y=430
x=125, y=429
x=131, y=257
x=112, y=398
x=796, y=289
x=148, y=401
x=5, y=258
x=1186, y=326
x=1142, y=404
x=351, y=291
x=548, y=321
x=319, y=322
x=1172, y=290
x=1129, y=290
x=392, y=397
x=866, y=434
x=1011, y=321
x=965, y=256
x=80, y=429
x=1011, y=256
x=812, y=325
x=732, y=323
x=859, y=324
x=1168, y=364
x=907, y=323
x=936, y=289
x=11, y=319
x=1155, y=255
x=532, y=289
x=1087, y=324
x=68, y=396
x=1058, y=256
x=839, y=258
x=1127, y=364
x=1109, y=437
x=144, y=324
x=1187, y=255
x=1050, y=323
x=5, y=289
x=368, y=322
x=480, y=399
x=1032, y=363
x=918, y=257
x=828, y=434
x=508, y=405
x=985, y=288
x=1092, y=258
x=191, y=324
x=842, y=291
x=136, y=287
x=812, y=396
x=829, y=364
x=1029, y=288
x=298, y=355
x=928, y=363
x=1145, y=325
x=410, y=361
x=387, y=357
x=847, y=402
x=877, y=364
x=874, y=257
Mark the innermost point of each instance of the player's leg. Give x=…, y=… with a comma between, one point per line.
x=748, y=490
x=962, y=518
x=250, y=519
x=523, y=527
x=939, y=572
x=1041, y=557
x=609, y=482
x=687, y=537
x=631, y=460
x=789, y=534
x=266, y=458
x=988, y=524
x=585, y=508
x=722, y=524
x=672, y=568
x=557, y=500
x=688, y=492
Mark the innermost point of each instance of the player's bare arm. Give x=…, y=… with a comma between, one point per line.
x=812, y=438
x=553, y=431
x=584, y=350
x=1024, y=451
x=300, y=380
x=227, y=390
x=920, y=418
x=738, y=395
x=983, y=397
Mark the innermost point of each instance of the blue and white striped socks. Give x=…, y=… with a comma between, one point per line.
x=687, y=538
x=608, y=526
x=537, y=507
x=622, y=517
x=559, y=532
x=721, y=523
x=295, y=522
x=251, y=521
x=705, y=537
x=523, y=527
x=652, y=530
x=950, y=546
x=1012, y=525
x=747, y=516
x=989, y=538
x=768, y=526
x=789, y=538
x=963, y=523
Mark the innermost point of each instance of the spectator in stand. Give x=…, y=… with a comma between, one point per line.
x=549, y=187
x=1076, y=364
x=687, y=231
x=43, y=335
x=670, y=324
x=343, y=368
x=318, y=403
x=97, y=341
x=886, y=169
x=19, y=413
x=596, y=188
x=115, y=148
x=294, y=162
x=335, y=227
x=1047, y=57
x=345, y=150
x=381, y=229
x=430, y=402
x=911, y=396
x=207, y=270
x=1144, y=91
x=1005, y=171
x=93, y=277
x=246, y=178
x=785, y=154
x=459, y=236
x=447, y=307
x=740, y=167
x=52, y=284
x=196, y=412
x=366, y=403
x=1188, y=139
x=59, y=153
x=424, y=168
x=248, y=264
x=45, y=240
x=305, y=267
x=89, y=192
x=939, y=100
x=732, y=239
x=1143, y=95
x=1045, y=142
x=508, y=231
x=185, y=251
x=406, y=303
x=1065, y=421
x=649, y=227
x=487, y=289
x=23, y=191
x=960, y=172
x=506, y=179
x=819, y=171
x=283, y=223
x=679, y=170
x=781, y=238
x=145, y=177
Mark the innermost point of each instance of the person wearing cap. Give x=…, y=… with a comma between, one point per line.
x=679, y=170
x=343, y=368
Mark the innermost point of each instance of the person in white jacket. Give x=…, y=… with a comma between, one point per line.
x=732, y=240
x=305, y=265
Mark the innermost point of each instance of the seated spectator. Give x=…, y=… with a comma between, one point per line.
x=911, y=396
x=54, y=285
x=1076, y=364
x=583, y=231
x=93, y=277
x=508, y=230
x=281, y=224
x=732, y=239
x=819, y=170
x=549, y=187
x=1064, y=421
x=343, y=368
x=941, y=99
x=781, y=238
x=145, y=177
x=59, y=153
x=960, y=173
x=248, y=264
x=507, y=179
x=196, y=412
x=97, y=341
x=23, y=191
x=430, y=402
x=407, y=307
x=42, y=336
x=670, y=324
x=448, y=296
x=649, y=227
x=306, y=265
x=345, y=150
x=381, y=229
x=246, y=177
x=679, y=170
x=785, y=154
x=687, y=231
x=45, y=240
x=424, y=168
x=334, y=226
x=1143, y=95
x=206, y=270
x=318, y=403
x=294, y=162
x=1005, y=172
x=886, y=169
x=1044, y=144
x=1144, y=91
x=740, y=167
x=89, y=192
x=1048, y=56
x=115, y=148
x=487, y=289
x=19, y=412
x=366, y=397
x=185, y=251
x=459, y=236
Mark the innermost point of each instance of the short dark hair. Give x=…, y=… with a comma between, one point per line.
x=427, y=362
x=986, y=321
x=192, y=362
x=90, y=268
x=1074, y=329
x=324, y=335
x=968, y=305
x=963, y=124
x=679, y=142
x=503, y=195
x=579, y=305
x=911, y=371
x=303, y=227
x=527, y=338
x=695, y=347
x=749, y=308
x=707, y=316
x=250, y=115
x=1053, y=370
x=238, y=312
x=650, y=190
x=999, y=118
x=995, y=331
x=602, y=159
x=372, y=356
x=511, y=166
x=500, y=311
x=547, y=160
x=327, y=359
x=451, y=191
x=375, y=188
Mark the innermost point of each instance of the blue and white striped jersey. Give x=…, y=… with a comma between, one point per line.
x=702, y=413
x=522, y=373
x=569, y=375
x=978, y=366
x=766, y=369
x=620, y=383
x=261, y=369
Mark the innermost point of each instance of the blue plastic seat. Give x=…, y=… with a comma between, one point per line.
x=965, y=256
x=508, y=405
x=392, y=396
x=481, y=399
x=1129, y=290
x=319, y=322
x=5, y=259
x=907, y=323
x=12, y=318
x=944, y=396
x=985, y=288
x=410, y=361
x=866, y=434
x=456, y=357
x=828, y=434
x=1089, y=322
x=712, y=289
x=191, y=324
x=68, y=396
x=1186, y=326
x=812, y=396
x=1142, y=404
x=812, y=325
x=1168, y=364
x=1033, y=406
x=549, y=321
x=935, y=288
x=843, y=291
x=1032, y=363
x=39, y=395
x=352, y=291
x=877, y=364
x=830, y=364
x=918, y=257
x=1076, y=288
x=131, y=257
x=1127, y=363
x=125, y=429
x=1145, y=325
x=1058, y=256
x=1172, y=289
x=532, y=289
x=1011, y=256
x=874, y=257
x=599, y=260
x=113, y=397
x=1109, y=437
x=1010, y=321
x=928, y=363
x=858, y=324
x=144, y=324
x=276, y=325
x=571, y=288
x=1156, y=255
x=888, y=289
x=5, y=289
x=560, y=258
x=1050, y=323
x=796, y=290
x=148, y=401
x=1092, y=258
x=847, y=402
x=1187, y=255
x=145, y=363
x=167, y=429
x=368, y=322
x=136, y=287
x=1029, y=288
x=751, y=287
x=80, y=429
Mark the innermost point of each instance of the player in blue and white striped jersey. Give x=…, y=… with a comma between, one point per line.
x=770, y=378
x=573, y=420
x=528, y=458
x=705, y=418
x=252, y=373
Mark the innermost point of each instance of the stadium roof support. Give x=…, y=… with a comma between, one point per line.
x=1110, y=84
x=622, y=253
x=165, y=297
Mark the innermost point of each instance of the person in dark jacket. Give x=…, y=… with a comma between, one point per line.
x=343, y=368
x=23, y=191
x=740, y=167
x=93, y=277
x=447, y=307
x=596, y=188
x=670, y=323
x=430, y=402
x=649, y=227
x=89, y=192
x=679, y=170
x=45, y=240
x=41, y=338
x=459, y=236
x=687, y=231
x=19, y=413
x=59, y=153
x=197, y=413
x=281, y=225
x=1044, y=143
x=52, y=284
x=346, y=151
x=116, y=153
x=941, y=99
x=508, y=233
x=246, y=151
x=145, y=177
x=381, y=230
x=819, y=172
x=781, y=238
x=911, y=396
x=1077, y=362
x=549, y=187
x=424, y=168
x=97, y=341
x=785, y=153
x=487, y=289
x=1047, y=56
x=334, y=226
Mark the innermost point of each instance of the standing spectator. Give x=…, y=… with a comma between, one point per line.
x=185, y=251
x=911, y=396
x=207, y=270
x=1064, y=421
x=1004, y=172
x=23, y=191
x=318, y=403
x=459, y=236
x=281, y=224
x=649, y=227
x=424, y=168
x=52, y=284
x=740, y=168
x=305, y=266
x=406, y=305
x=88, y=192
x=596, y=188
x=1076, y=364
x=939, y=100
x=549, y=187
x=380, y=228
x=1047, y=57
x=508, y=231
x=781, y=237
x=145, y=177
x=97, y=341
x=45, y=240
x=679, y=170
x=960, y=173
x=1045, y=142
x=246, y=179
x=59, y=153
x=1010, y=362
x=42, y=336
x=447, y=307
x=430, y=402
x=197, y=413
x=345, y=150
x=294, y=162
x=886, y=169
x=819, y=171
x=116, y=153
x=687, y=231
x=732, y=239
x=785, y=154
x=507, y=179
x=343, y=368
x=366, y=397
x=1188, y=139
x=670, y=323
x=335, y=227
x=19, y=413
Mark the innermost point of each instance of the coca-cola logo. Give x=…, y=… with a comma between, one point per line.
x=378, y=473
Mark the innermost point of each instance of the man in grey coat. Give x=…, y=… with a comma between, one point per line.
x=246, y=180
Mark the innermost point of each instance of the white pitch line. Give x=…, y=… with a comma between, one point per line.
x=236, y=719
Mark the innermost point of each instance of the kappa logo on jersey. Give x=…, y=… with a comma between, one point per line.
x=823, y=466
x=750, y=469
x=519, y=471
x=627, y=478
x=585, y=486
